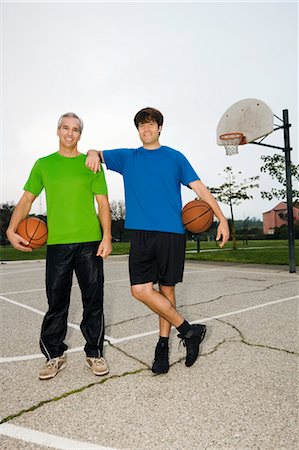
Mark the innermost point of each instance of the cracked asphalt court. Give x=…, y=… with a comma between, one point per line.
x=241, y=394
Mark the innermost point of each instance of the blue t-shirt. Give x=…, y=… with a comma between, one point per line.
x=152, y=182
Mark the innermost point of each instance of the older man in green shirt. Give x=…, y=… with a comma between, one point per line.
x=75, y=244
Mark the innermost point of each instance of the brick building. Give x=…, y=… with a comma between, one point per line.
x=277, y=217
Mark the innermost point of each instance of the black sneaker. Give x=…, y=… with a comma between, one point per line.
x=161, y=363
x=191, y=341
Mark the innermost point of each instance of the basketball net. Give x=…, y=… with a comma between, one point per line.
x=230, y=142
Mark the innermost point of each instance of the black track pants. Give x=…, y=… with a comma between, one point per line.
x=62, y=261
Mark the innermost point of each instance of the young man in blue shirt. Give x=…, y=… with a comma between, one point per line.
x=153, y=175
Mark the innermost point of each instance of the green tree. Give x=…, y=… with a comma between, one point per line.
x=233, y=193
x=6, y=210
x=117, y=209
x=274, y=165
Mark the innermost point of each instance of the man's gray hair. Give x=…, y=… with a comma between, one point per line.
x=70, y=114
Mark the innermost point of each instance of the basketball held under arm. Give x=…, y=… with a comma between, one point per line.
x=20, y=212
x=94, y=160
x=204, y=194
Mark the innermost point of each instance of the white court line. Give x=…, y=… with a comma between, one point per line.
x=208, y=319
x=23, y=292
x=76, y=285
x=36, y=311
x=22, y=271
x=116, y=281
x=35, y=356
x=43, y=268
x=248, y=271
x=149, y=333
x=43, y=289
x=9, y=359
x=46, y=439
x=41, y=313
x=186, y=273
x=228, y=249
x=106, y=263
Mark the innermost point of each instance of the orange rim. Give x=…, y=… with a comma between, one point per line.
x=236, y=138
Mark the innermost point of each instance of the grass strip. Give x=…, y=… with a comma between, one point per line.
x=256, y=252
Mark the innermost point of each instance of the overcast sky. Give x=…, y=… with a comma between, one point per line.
x=105, y=61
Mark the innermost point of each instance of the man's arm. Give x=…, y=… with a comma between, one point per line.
x=94, y=160
x=105, y=247
x=20, y=212
x=204, y=194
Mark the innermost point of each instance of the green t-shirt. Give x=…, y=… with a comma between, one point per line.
x=70, y=188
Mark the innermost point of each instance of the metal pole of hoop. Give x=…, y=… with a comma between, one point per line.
x=287, y=152
x=289, y=194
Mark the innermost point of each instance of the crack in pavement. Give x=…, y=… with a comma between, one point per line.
x=241, y=339
x=67, y=394
x=145, y=369
x=243, y=278
x=202, y=354
x=82, y=388
x=250, y=344
x=204, y=302
x=235, y=293
x=128, y=355
x=129, y=320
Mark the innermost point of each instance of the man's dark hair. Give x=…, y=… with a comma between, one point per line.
x=148, y=115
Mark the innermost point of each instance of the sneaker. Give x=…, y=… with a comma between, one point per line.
x=191, y=341
x=98, y=366
x=52, y=367
x=161, y=363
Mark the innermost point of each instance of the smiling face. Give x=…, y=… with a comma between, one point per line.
x=149, y=133
x=69, y=133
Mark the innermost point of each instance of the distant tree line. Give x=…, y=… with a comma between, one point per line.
x=231, y=192
x=6, y=210
x=118, y=213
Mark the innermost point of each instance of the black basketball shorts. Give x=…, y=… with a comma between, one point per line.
x=157, y=257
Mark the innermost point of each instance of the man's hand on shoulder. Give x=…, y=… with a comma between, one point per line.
x=93, y=161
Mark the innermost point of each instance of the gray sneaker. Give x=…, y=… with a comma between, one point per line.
x=52, y=367
x=98, y=366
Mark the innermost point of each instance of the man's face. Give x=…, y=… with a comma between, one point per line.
x=69, y=132
x=149, y=132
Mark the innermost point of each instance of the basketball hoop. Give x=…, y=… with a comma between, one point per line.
x=230, y=142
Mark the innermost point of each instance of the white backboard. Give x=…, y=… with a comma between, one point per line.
x=250, y=116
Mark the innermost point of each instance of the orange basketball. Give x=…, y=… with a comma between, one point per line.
x=197, y=216
x=33, y=230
